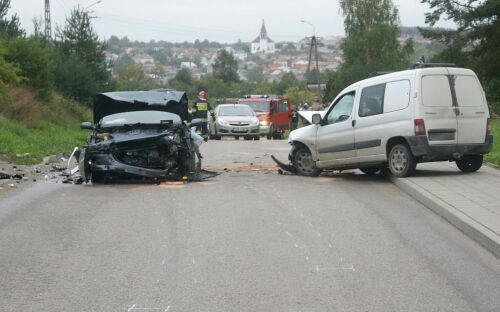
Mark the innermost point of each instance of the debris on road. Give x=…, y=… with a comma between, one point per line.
x=4, y=176
x=290, y=168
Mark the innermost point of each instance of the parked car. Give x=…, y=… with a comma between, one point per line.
x=143, y=134
x=397, y=120
x=273, y=113
x=236, y=120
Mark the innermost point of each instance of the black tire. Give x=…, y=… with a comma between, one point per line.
x=248, y=138
x=303, y=162
x=218, y=137
x=97, y=178
x=236, y=137
x=371, y=170
x=401, y=161
x=256, y=138
x=270, y=133
x=470, y=163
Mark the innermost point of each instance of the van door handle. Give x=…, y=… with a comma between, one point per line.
x=456, y=110
x=354, y=123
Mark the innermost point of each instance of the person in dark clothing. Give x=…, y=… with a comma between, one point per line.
x=294, y=119
x=201, y=109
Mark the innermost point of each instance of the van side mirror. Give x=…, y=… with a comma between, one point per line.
x=86, y=125
x=316, y=119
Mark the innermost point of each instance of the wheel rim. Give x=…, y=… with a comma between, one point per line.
x=305, y=162
x=399, y=160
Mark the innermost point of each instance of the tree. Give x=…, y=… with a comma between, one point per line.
x=9, y=27
x=371, y=43
x=287, y=81
x=80, y=42
x=132, y=77
x=476, y=41
x=226, y=67
x=299, y=96
x=9, y=73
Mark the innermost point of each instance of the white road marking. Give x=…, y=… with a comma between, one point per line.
x=351, y=268
x=307, y=258
x=168, y=308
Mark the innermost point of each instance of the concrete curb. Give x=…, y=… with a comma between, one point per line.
x=463, y=222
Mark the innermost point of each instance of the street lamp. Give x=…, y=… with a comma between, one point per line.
x=97, y=2
x=311, y=24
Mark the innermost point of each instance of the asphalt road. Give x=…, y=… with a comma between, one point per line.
x=247, y=240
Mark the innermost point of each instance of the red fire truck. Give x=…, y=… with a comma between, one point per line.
x=273, y=113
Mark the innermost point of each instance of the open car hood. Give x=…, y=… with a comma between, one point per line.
x=130, y=101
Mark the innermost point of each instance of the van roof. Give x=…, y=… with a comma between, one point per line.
x=415, y=72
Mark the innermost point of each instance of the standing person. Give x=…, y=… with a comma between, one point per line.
x=294, y=119
x=200, y=110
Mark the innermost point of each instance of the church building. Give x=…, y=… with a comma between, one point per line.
x=263, y=44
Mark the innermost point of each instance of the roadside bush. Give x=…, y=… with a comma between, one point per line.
x=34, y=61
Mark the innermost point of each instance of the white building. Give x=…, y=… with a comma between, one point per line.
x=263, y=44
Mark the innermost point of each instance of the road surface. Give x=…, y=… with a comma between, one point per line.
x=247, y=240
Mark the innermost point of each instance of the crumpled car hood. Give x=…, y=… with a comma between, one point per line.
x=129, y=101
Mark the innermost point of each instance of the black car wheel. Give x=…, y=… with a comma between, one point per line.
x=304, y=163
x=371, y=170
x=257, y=137
x=470, y=163
x=236, y=137
x=401, y=161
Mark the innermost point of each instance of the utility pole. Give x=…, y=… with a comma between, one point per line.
x=48, y=27
x=314, y=48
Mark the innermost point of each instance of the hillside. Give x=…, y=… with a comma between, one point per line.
x=31, y=129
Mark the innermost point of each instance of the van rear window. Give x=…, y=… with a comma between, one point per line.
x=436, y=91
x=468, y=91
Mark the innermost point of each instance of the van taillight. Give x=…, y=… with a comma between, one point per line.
x=488, y=126
x=419, y=127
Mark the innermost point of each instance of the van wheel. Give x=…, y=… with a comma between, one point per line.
x=303, y=162
x=401, y=161
x=470, y=163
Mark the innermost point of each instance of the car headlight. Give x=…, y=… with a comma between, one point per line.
x=255, y=122
x=222, y=122
x=263, y=122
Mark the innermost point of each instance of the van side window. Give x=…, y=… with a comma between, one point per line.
x=371, y=102
x=468, y=91
x=397, y=96
x=342, y=109
x=436, y=91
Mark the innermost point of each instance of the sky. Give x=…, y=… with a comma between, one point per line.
x=215, y=20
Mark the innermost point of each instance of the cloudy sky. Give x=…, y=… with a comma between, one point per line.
x=215, y=20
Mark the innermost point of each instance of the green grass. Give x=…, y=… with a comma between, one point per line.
x=494, y=156
x=48, y=139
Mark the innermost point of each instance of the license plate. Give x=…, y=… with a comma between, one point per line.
x=239, y=129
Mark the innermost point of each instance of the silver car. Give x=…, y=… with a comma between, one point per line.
x=236, y=120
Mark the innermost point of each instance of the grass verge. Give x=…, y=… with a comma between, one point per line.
x=494, y=156
x=31, y=129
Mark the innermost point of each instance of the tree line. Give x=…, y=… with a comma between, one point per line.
x=74, y=63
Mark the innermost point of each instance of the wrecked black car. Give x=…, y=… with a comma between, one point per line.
x=140, y=134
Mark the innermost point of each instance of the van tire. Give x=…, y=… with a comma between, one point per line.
x=371, y=170
x=304, y=163
x=470, y=163
x=401, y=161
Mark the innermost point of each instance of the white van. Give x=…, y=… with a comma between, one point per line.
x=397, y=120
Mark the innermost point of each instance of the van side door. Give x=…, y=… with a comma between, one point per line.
x=335, y=135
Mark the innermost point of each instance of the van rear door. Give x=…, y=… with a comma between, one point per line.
x=437, y=107
x=472, y=110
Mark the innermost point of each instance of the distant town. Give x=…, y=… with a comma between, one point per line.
x=261, y=59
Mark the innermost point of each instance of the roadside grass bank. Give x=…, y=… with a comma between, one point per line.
x=31, y=129
x=494, y=156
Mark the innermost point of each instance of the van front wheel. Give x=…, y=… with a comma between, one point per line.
x=304, y=163
x=401, y=161
x=470, y=163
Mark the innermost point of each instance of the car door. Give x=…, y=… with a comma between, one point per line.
x=438, y=110
x=335, y=135
x=472, y=111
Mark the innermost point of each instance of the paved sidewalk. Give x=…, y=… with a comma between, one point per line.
x=471, y=202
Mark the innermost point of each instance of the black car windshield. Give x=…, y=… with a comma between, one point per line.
x=235, y=111
x=257, y=106
x=142, y=117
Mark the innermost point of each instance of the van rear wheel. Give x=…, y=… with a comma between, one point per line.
x=304, y=163
x=470, y=163
x=401, y=161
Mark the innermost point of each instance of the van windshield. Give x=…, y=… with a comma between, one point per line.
x=257, y=106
